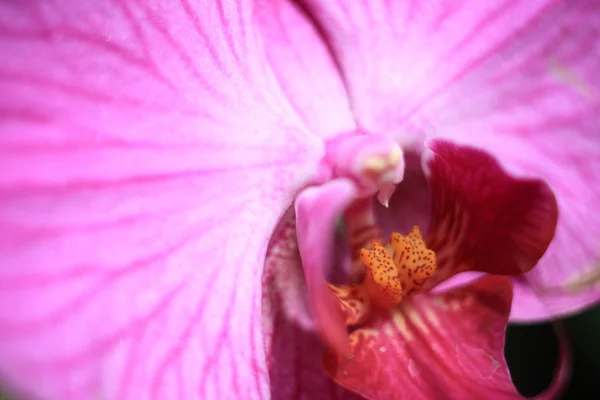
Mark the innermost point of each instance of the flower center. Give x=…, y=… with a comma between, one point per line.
x=393, y=272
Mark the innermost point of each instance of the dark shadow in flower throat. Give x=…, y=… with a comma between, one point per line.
x=411, y=204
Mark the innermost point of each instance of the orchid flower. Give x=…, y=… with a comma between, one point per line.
x=517, y=79
x=449, y=343
x=165, y=165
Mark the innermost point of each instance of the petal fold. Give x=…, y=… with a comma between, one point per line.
x=482, y=218
x=318, y=210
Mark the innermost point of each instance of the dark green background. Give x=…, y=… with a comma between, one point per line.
x=531, y=352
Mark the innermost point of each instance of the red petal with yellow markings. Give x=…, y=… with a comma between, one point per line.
x=482, y=218
x=448, y=346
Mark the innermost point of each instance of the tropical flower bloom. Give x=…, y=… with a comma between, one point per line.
x=449, y=343
x=150, y=149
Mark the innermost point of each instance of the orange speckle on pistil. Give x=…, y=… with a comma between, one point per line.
x=393, y=272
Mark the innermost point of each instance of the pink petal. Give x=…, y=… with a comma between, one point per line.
x=317, y=211
x=147, y=154
x=482, y=218
x=304, y=67
x=436, y=346
x=516, y=78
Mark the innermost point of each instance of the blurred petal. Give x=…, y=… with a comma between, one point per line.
x=317, y=212
x=147, y=154
x=482, y=218
x=447, y=346
x=538, y=303
x=516, y=78
x=304, y=66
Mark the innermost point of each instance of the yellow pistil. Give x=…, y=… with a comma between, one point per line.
x=383, y=273
x=414, y=261
x=393, y=273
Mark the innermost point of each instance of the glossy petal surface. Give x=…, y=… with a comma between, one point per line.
x=482, y=218
x=447, y=346
x=147, y=154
